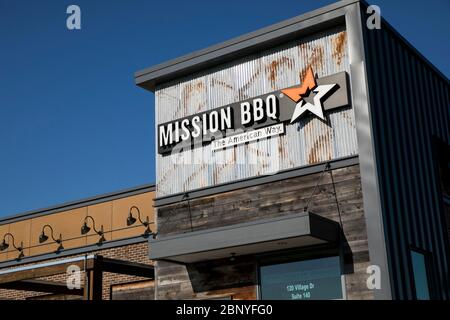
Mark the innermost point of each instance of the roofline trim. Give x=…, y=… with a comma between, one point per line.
x=246, y=41
x=247, y=44
x=78, y=203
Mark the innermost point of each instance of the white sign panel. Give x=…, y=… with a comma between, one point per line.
x=248, y=136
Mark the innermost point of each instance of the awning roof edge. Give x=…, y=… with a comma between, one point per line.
x=298, y=230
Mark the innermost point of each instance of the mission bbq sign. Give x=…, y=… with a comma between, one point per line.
x=256, y=118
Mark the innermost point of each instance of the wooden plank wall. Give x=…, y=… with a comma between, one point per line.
x=142, y=290
x=239, y=278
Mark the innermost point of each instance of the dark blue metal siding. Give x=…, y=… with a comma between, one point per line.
x=409, y=104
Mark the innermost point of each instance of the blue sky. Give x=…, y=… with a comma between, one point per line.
x=72, y=122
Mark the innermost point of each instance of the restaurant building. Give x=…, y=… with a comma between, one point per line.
x=91, y=249
x=305, y=160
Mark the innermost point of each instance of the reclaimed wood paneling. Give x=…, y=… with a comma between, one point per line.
x=260, y=202
x=143, y=290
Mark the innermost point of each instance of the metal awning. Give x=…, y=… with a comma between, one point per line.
x=260, y=236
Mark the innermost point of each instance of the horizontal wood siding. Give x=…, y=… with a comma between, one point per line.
x=223, y=277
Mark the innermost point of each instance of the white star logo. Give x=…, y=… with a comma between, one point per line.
x=315, y=108
x=297, y=94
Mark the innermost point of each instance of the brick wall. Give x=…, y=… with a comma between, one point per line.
x=134, y=253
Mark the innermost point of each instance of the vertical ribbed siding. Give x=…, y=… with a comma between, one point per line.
x=409, y=105
x=306, y=142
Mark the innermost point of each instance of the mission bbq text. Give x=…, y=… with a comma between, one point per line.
x=218, y=123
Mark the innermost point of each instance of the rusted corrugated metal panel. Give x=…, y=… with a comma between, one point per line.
x=308, y=141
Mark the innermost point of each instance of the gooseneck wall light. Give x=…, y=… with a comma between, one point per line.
x=85, y=229
x=43, y=237
x=146, y=223
x=4, y=245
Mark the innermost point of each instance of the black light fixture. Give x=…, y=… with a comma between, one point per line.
x=85, y=229
x=4, y=245
x=20, y=249
x=43, y=237
x=131, y=220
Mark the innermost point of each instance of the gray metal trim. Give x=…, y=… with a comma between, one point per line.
x=74, y=251
x=254, y=181
x=242, y=234
x=284, y=31
x=369, y=175
x=78, y=204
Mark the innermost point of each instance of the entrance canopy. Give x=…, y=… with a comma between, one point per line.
x=260, y=236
